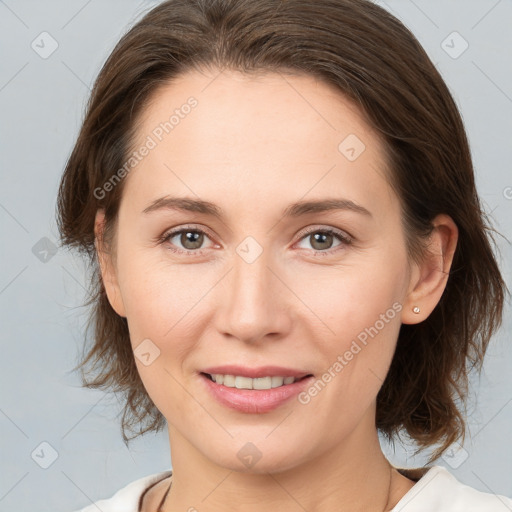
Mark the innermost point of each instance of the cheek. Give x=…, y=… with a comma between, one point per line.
x=160, y=316
x=359, y=309
x=366, y=329
x=348, y=300
x=156, y=295
x=356, y=356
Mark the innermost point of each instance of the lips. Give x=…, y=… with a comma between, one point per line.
x=253, y=401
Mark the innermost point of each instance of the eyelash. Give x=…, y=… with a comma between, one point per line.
x=342, y=237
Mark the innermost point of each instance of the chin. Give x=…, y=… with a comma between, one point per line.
x=258, y=457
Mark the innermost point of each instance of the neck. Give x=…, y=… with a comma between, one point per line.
x=352, y=476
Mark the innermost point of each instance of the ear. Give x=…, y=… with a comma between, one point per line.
x=107, y=265
x=428, y=279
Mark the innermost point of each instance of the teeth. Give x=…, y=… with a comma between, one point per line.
x=239, y=382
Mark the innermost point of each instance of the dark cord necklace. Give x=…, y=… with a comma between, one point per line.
x=385, y=508
x=164, y=498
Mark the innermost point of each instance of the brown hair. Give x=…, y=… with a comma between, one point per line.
x=375, y=61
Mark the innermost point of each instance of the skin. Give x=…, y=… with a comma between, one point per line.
x=252, y=146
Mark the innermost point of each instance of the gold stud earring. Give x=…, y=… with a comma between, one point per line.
x=416, y=309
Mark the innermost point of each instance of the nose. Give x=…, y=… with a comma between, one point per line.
x=254, y=303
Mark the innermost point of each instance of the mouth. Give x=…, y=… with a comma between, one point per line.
x=259, y=383
x=256, y=395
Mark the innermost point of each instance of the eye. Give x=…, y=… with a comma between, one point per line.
x=190, y=238
x=321, y=239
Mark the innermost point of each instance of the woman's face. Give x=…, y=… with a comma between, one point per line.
x=261, y=284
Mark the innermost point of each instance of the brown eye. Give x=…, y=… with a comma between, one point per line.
x=191, y=239
x=321, y=240
x=185, y=240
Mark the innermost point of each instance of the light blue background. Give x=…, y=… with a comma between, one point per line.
x=42, y=102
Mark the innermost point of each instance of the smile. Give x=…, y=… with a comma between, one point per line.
x=264, y=395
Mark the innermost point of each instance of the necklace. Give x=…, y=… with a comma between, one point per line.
x=389, y=488
x=384, y=509
x=164, y=498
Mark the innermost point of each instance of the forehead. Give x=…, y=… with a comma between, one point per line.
x=256, y=131
x=260, y=103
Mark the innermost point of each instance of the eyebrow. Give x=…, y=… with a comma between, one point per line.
x=294, y=210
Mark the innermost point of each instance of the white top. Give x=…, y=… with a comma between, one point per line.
x=436, y=491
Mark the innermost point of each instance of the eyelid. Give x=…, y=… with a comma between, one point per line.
x=330, y=229
x=172, y=232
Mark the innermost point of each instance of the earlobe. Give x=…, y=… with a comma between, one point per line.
x=107, y=265
x=428, y=278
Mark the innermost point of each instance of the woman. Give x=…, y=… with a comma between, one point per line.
x=290, y=256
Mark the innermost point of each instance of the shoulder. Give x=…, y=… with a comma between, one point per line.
x=439, y=490
x=127, y=498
